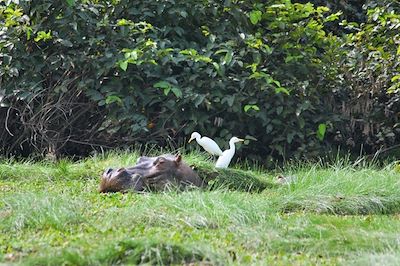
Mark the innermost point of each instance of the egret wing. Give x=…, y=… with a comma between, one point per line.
x=210, y=146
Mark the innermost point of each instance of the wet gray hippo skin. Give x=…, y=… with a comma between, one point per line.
x=150, y=173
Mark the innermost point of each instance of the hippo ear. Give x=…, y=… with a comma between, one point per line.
x=178, y=158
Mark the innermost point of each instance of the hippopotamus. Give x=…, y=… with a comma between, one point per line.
x=151, y=173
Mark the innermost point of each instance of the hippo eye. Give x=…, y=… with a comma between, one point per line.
x=159, y=161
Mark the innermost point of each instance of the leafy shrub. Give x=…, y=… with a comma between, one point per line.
x=76, y=75
x=371, y=71
x=352, y=9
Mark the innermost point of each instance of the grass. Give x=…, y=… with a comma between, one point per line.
x=52, y=214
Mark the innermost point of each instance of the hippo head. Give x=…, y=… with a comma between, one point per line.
x=120, y=180
x=167, y=170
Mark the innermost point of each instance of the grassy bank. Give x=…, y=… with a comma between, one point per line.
x=51, y=213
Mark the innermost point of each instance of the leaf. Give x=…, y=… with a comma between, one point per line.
x=94, y=95
x=166, y=91
x=228, y=57
x=184, y=14
x=290, y=137
x=279, y=148
x=133, y=55
x=395, y=78
x=167, y=87
x=218, y=68
x=277, y=83
x=162, y=84
x=334, y=16
x=177, y=92
x=199, y=99
x=321, y=131
x=302, y=123
x=260, y=75
x=282, y=89
x=251, y=106
x=112, y=99
x=70, y=2
x=42, y=35
x=231, y=100
x=191, y=52
x=124, y=22
x=277, y=6
x=28, y=33
x=228, y=99
x=123, y=65
x=393, y=89
x=255, y=16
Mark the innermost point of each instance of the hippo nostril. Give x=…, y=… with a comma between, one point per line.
x=120, y=170
x=108, y=171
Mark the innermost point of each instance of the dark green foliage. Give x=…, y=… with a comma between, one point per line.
x=372, y=71
x=352, y=9
x=77, y=75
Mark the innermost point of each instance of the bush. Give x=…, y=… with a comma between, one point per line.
x=371, y=71
x=76, y=75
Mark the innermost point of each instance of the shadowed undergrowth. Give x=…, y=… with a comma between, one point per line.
x=52, y=214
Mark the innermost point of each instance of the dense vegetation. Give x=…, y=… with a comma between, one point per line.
x=295, y=78
x=343, y=214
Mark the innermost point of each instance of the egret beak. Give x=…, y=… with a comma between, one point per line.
x=190, y=139
x=241, y=140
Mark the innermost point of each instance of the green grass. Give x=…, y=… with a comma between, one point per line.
x=52, y=214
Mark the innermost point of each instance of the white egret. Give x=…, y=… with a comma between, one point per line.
x=208, y=144
x=226, y=157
